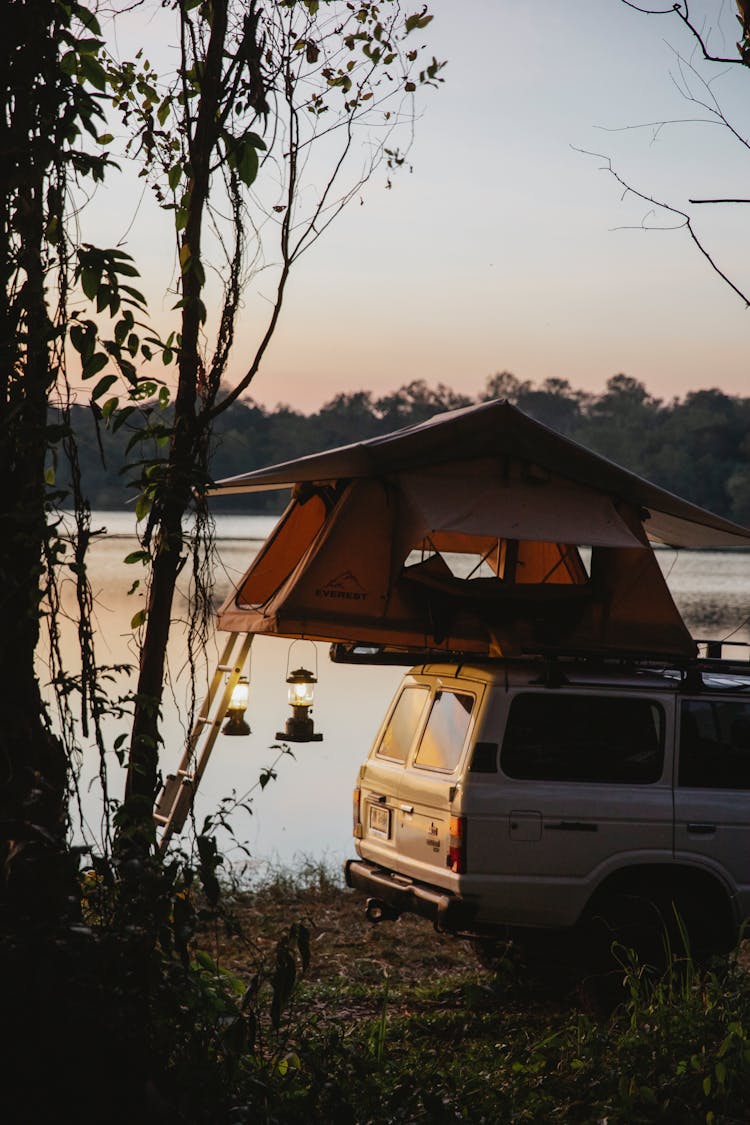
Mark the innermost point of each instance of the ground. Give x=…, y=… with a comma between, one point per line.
x=397, y=1023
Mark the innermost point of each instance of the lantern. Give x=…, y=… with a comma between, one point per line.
x=236, y=723
x=299, y=727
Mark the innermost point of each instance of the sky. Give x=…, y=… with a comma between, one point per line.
x=502, y=245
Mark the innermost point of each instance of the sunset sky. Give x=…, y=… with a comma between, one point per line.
x=504, y=247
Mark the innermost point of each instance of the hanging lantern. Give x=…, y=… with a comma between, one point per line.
x=236, y=723
x=299, y=727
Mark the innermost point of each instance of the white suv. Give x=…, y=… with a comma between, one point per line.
x=530, y=799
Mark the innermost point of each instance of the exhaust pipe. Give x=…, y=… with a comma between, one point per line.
x=378, y=911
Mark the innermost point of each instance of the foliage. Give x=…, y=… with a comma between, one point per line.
x=453, y=1047
x=457, y=1046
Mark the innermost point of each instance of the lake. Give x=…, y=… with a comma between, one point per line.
x=306, y=812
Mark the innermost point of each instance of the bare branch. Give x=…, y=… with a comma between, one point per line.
x=628, y=189
x=682, y=11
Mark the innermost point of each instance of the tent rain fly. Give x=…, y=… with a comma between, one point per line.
x=480, y=532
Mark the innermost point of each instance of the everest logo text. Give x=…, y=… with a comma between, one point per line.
x=345, y=585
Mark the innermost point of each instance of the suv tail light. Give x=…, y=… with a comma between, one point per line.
x=356, y=820
x=456, y=857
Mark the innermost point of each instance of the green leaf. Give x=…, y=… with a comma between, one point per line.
x=91, y=277
x=174, y=175
x=122, y=417
x=254, y=140
x=69, y=63
x=247, y=164
x=135, y=294
x=205, y=960
x=93, y=70
x=105, y=139
x=138, y=619
x=136, y=557
x=142, y=507
x=81, y=340
x=94, y=365
x=416, y=21
x=103, y=386
x=88, y=46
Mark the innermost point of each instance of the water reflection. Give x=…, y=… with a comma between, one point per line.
x=305, y=812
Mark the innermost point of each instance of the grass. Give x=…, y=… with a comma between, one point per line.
x=397, y=1023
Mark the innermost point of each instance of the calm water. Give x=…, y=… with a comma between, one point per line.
x=306, y=811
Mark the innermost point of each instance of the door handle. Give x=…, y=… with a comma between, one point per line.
x=573, y=826
x=696, y=829
x=407, y=808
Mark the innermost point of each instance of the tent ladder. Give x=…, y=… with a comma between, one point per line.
x=178, y=792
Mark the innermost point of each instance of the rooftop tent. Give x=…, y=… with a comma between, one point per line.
x=463, y=534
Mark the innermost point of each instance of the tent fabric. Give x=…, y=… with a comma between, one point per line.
x=476, y=498
x=371, y=573
x=463, y=536
x=500, y=430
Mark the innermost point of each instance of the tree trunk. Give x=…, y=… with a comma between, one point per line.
x=185, y=456
x=33, y=766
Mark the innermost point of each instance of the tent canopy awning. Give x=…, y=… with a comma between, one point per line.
x=465, y=450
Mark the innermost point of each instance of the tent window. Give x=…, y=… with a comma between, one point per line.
x=527, y=562
x=283, y=551
x=460, y=564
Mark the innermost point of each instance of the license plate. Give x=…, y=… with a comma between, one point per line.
x=379, y=821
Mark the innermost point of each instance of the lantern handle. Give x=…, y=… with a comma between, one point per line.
x=303, y=641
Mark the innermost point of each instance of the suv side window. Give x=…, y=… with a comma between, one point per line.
x=444, y=736
x=589, y=738
x=714, y=744
x=402, y=725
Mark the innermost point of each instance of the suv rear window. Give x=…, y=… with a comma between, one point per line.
x=714, y=744
x=590, y=738
x=444, y=736
x=402, y=725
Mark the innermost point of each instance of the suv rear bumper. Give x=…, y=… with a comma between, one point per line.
x=447, y=911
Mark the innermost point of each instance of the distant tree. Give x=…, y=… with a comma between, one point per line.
x=346, y=417
x=623, y=423
x=416, y=402
x=738, y=488
x=505, y=385
x=700, y=444
x=555, y=403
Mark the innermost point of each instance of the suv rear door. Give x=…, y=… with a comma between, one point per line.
x=431, y=779
x=380, y=778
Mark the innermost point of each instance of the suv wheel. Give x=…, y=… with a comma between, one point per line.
x=620, y=931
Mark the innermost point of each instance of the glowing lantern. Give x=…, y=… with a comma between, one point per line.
x=236, y=723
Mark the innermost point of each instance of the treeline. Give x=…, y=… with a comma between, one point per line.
x=697, y=446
